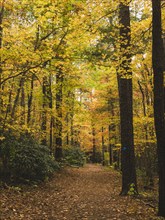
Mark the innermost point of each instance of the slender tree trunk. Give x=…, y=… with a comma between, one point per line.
x=58, y=123
x=148, y=159
x=8, y=108
x=16, y=101
x=30, y=99
x=44, y=110
x=126, y=111
x=22, y=105
x=111, y=129
x=72, y=120
x=103, y=146
x=51, y=117
x=110, y=146
x=157, y=60
x=94, y=145
x=1, y=37
x=67, y=125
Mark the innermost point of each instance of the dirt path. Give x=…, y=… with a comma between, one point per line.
x=89, y=193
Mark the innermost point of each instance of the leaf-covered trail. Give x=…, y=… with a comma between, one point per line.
x=89, y=193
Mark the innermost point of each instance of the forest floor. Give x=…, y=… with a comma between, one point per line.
x=87, y=193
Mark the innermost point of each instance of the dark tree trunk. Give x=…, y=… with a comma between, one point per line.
x=148, y=157
x=103, y=146
x=67, y=122
x=111, y=129
x=157, y=60
x=1, y=34
x=58, y=123
x=71, y=119
x=51, y=117
x=126, y=111
x=22, y=104
x=21, y=83
x=1, y=37
x=94, y=145
x=72, y=131
x=110, y=146
x=44, y=111
x=30, y=99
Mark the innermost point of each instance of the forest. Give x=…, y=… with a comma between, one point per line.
x=82, y=96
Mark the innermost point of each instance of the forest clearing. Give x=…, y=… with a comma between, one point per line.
x=88, y=193
x=82, y=83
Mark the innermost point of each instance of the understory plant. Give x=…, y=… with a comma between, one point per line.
x=74, y=157
x=27, y=160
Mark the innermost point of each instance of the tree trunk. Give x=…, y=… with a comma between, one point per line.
x=71, y=119
x=103, y=147
x=44, y=106
x=51, y=117
x=157, y=60
x=58, y=123
x=126, y=109
x=111, y=129
x=148, y=158
x=110, y=146
x=94, y=145
x=22, y=105
x=21, y=83
x=30, y=99
x=1, y=36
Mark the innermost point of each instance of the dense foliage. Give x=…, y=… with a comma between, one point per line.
x=25, y=160
x=74, y=157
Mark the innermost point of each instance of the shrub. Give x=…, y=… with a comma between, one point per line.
x=32, y=162
x=27, y=160
x=74, y=157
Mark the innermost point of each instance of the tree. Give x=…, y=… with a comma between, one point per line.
x=125, y=96
x=159, y=108
x=58, y=121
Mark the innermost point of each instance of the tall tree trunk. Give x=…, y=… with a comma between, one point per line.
x=44, y=110
x=111, y=129
x=51, y=117
x=30, y=99
x=22, y=105
x=110, y=146
x=103, y=146
x=94, y=144
x=148, y=158
x=21, y=83
x=72, y=97
x=157, y=60
x=126, y=108
x=1, y=37
x=58, y=122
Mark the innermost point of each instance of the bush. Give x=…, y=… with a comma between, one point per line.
x=32, y=163
x=74, y=157
x=27, y=160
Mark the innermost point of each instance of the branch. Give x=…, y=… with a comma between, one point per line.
x=61, y=40
x=18, y=74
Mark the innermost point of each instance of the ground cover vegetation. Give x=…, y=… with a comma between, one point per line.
x=83, y=81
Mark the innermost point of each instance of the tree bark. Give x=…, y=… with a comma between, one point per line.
x=103, y=146
x=110, y=146
x=126, y=108
x=94, y=144
x=21, y=83
x=58, y=122
x=30, y=99
x=51, y=117
x=44, y=111
x=1, y=37
x=157, y=60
